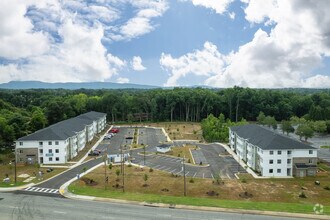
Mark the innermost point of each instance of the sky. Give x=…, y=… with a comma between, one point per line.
x=217, y=43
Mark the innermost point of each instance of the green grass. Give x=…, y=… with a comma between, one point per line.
x=325, y=147
x=324, y=167
x=2, y=184
x=193, y=201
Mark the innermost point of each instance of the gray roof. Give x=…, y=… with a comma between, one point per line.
x=64, y=129
x=267, y=139
x=164, y=146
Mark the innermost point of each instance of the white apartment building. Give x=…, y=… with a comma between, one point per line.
x=60, y=142
x=271, y=154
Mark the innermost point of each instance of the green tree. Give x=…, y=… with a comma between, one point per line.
x=38, y=120
x=261, y=118
x=287, y=127
x=319, y=126
x=304, y=130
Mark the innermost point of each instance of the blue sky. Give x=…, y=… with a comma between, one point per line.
x=220, y=43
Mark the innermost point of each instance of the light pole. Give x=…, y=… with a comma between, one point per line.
x=123, y=167
x=144, y=155
x=15, y=167
x=184, y=177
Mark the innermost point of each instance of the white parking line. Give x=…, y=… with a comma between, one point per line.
x=168, y=169
x=160, y=168
x=180, y=172
x=157, y=166
x=228, y=176
x=172, y=171
x=212, y=176
x=187, y=173
x=194, y=175
x=203, y=175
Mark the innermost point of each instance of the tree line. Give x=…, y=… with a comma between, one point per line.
x=25, y=111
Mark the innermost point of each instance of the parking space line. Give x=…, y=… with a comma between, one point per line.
x=203, y=175
x=228, y=176
x=187, y=173
x=157, y=166
x=194, y=174
x=212, y=176
x=162, y=167
x=180, y=172
x=172, y=171
x=168, y=169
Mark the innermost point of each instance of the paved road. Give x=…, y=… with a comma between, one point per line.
x=26, y=207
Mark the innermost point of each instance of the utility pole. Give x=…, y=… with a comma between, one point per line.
x=123, y=168
x=184, y=177
x=105, y=171
x=15, y=167
x=144, y=155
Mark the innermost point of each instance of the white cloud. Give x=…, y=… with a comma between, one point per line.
x=137, y=64
x=17, y=38
x=219, y=6
x=205, y=62
x=122, y=80
x=141, y=23
x=232, y=15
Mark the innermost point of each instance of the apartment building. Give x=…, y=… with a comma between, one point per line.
x=60, y=142
x=271, y=154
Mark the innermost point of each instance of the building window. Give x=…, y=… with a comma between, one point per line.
x=57, y=150
x=271, y=161
x=310, y=161
x=50, y=143
x=278, y=170
x=41, y=151
x=279, y=161
x=57, y=159
x=50, y=151
x=20, y=143
x=20, y=151
x=56, y=142
x=279, y=152
x=50, y=159
x=41, y=143
x=271, y=152
x=310, y=151
x=270, y=170
x=289, y=161
x=289, y=152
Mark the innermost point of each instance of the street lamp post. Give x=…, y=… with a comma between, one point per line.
x=15, y=167
x=184, y=177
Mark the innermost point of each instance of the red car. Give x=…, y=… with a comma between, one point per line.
x=114, y=130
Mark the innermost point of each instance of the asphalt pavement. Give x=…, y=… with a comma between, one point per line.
x=26, y=207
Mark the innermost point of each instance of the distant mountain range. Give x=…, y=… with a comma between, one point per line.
x=72, y=85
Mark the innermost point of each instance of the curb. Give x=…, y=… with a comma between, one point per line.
x=10, y=189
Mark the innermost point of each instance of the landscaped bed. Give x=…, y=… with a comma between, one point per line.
x=265, y=194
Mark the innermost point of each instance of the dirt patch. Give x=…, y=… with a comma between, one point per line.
x=212, y=193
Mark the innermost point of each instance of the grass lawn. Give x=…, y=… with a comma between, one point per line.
x=269, y=194
x=25, y=169
x=182, y=152
x=11, y=184
x=325, y=147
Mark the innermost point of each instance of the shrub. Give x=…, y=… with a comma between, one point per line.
x=327, y=188
x=189, y=160
x=191, y=180
x=151, y=170
x=244, y=180
x=129, y=165
x=302, y=195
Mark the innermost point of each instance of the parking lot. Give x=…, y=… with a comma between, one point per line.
x=214, y=155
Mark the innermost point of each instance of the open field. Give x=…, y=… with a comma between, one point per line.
x=177, y=130
x=279, y=194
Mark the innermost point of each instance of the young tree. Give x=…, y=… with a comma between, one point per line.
x=270, y=122
x=304, y=130
x=287, y=127
x=261, y=118
x=319, y=126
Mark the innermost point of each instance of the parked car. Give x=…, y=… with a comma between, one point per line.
x=114, y=130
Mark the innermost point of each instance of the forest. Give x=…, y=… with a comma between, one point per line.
x=25, y=111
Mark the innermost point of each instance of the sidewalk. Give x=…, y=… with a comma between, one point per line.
x=10, y=189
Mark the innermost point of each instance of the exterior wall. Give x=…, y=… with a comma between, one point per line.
x=58, y=151
x=272, y=163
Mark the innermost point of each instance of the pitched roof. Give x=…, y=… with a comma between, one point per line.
x=64, y=129
x=267, y=139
